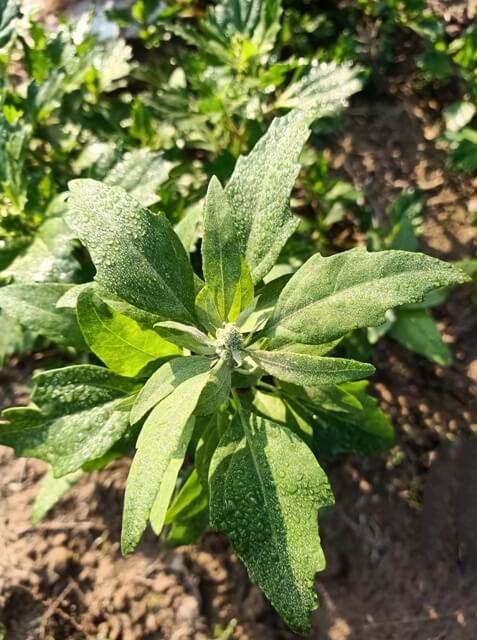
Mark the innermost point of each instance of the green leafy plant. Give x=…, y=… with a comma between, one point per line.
x=221, y=373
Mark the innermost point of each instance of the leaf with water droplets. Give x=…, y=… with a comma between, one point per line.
x=75, y=417
x=161, y=447
x=136, y=253
x=259, y=191
x=310, y=370
x=266, y=488
x=328, y=297
x=122, y=343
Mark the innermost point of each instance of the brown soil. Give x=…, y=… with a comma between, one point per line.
x=400, y=543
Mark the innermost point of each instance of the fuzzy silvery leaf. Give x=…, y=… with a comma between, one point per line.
x=77, y=418
x=220, y=252
x=165, y=380
x=136, y=253
x=161, y=447
x=34, y=307
x=310, y=370
x=259, y=191
x=325, y=87
x=140, y=173
x=122, y=343
x=328, y=297
x=266, y=488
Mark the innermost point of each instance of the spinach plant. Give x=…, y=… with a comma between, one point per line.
x=225, y=372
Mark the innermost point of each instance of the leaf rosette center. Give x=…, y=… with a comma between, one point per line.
x=229, y=344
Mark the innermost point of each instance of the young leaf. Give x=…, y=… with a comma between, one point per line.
x=185, y=336
x=309, y=370
x=34, y=307
x=78, y=417
x=165, y=380
x=220, y=252
x=161, y=447
x=416, y=330
x=259, y=191
x=266, y=488
x=136, y=253
x=328, y=297
x=124, y=345
x=51, y=492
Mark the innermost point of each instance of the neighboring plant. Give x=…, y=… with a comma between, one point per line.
x=218, y=372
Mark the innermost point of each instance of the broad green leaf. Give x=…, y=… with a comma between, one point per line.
x=69, y=300
x=9, y=15
x=416, y=330
x=77, y=418
x=336, y=424
x=220, y=252
x=136, y=253
x=124, y=345
x=266, y=488
x=165, y=380
x=51, y=491
x=328, y=297
x=185, y=336
x=34, y=307
x=309, y=370
x=161, y=446
x=140, y=173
